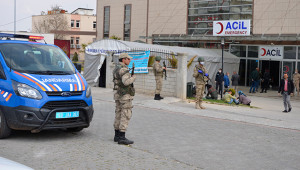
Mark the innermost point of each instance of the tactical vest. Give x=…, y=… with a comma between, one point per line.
x=118, y=84
x=155, y=72
x=201, y=76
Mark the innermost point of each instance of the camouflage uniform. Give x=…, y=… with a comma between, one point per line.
x=123, y=96
x=158, y=73
x=296, y=78
x=200, y=84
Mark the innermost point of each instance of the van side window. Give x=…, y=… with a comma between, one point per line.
x=2, y=74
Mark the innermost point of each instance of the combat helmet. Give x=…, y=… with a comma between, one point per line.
x=157, y=58
x=200, y=59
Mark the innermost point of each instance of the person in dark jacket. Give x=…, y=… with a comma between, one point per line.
x=211, y=92
x=219, y=81
x=265, y=81
x=286, y=89
x=254, y=78
x=235, y=81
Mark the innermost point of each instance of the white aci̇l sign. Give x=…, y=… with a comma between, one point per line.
x=270, y=52
x=231, y=28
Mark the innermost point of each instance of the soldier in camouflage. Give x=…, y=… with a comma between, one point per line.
x=123, y=96
x=201, y=77
x=158, y=73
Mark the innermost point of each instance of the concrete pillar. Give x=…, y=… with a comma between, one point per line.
x=181, y=76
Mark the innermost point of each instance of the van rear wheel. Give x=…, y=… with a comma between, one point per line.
x=5, y=131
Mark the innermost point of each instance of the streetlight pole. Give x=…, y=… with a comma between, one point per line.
x=15, y=11
x=222, y=44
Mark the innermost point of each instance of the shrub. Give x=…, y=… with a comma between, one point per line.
x=173, y=61
x=151, y=61
x=75, y=57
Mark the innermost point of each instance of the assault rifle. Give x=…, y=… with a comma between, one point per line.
x=132, y=70
x=204, y=75
x=165, y=71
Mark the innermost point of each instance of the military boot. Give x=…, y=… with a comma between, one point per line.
x=197, y=106
x=117, y=136
x=157, y=97
x=160, y=96
x=123, y=140
x=201, y=106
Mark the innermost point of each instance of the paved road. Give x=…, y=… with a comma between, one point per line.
x=168, y=134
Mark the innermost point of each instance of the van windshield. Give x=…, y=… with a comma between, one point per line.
x=36, y=59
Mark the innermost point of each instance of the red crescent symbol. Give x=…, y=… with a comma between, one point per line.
x=221, y=27
x=287, y=69
x=264, y=52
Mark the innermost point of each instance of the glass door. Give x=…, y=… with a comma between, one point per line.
x=288, y=67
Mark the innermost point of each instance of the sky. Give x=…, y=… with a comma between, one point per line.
x=26, y=8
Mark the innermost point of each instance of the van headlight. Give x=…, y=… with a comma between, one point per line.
x=26, y=91
x=88, y=91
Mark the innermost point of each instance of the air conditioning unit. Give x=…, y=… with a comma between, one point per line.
x=72, y=45
x=78, y=46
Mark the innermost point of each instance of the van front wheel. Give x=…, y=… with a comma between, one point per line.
x=5, y=131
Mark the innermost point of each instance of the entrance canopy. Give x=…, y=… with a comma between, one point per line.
x=106, y=46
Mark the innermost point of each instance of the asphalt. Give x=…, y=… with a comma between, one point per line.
x=267, y=109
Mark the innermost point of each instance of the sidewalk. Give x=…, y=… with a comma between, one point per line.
x=269, y=112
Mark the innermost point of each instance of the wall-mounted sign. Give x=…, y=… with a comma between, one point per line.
x=270, y=52
x=231, y=28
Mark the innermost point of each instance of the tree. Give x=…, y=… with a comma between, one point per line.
x=114, y=37
x=75, y=57
x=55, y=21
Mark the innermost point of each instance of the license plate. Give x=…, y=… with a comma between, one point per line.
x=60, y=115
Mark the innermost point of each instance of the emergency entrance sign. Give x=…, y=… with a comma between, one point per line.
x=231, y=28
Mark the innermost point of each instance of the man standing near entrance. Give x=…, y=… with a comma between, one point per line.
x=201, y=77
x=265, y=81
x=286, y=89
x=219, y=81
x=254, y=77
x=123, y=85
x=296, y=79
x=158, y=73
x=235, y=81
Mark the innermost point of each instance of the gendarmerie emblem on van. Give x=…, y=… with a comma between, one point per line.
x=66, y=94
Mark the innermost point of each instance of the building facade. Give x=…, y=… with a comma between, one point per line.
x=275, y=25
x=78, y=26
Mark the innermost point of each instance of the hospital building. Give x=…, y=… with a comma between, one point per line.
x=273, y=43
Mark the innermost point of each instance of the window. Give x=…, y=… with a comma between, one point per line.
x=239, y=51
x=253, y=51
x=77, y=23
x=106, y=22
x=72, y=42
x=77, y=42
x=40, y=59
x=127, y=22
x=72, y=23
x=202, y=13
x=94, y=24
x=289, y=52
